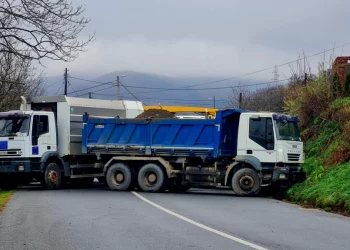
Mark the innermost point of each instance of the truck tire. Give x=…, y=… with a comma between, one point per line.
x=52, y=177
x=120, y=177
x=246, y=182
x=82, y=182
x=151, y=178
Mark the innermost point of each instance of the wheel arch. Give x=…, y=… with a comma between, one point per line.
x=49, y=157
x=242, y=162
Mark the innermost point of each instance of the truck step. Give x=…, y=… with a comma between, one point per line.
x=77, y=166
x=196, y=172
x=86, y=175
x=202, y=184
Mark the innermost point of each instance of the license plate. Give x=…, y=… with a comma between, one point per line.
x=3, y=152
x=283, y=176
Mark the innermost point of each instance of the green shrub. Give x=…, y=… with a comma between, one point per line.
x=340, y=103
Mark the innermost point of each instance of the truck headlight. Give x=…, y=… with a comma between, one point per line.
x=283, y=176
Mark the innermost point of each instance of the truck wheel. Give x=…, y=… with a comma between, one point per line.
x=52, y=177
x=120, y=177
x=246, y=182
x=151, y=178
x=82, y=182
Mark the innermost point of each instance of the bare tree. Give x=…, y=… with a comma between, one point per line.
x=17, y=77
x=37, y=29
x=263, y=99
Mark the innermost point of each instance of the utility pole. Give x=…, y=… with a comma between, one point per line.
x=214, y=101
x=118, y=88
x=65, y=81
x=90, y=96
x=240, y=101
x=275, y=74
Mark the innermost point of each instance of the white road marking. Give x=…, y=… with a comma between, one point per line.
x=230, y=237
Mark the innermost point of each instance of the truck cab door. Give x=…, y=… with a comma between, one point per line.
x=261, y=139
x=43, y=138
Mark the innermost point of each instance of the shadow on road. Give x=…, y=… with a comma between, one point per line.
x=223, y=192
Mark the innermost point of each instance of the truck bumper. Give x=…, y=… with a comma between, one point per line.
x=14, y=167
x=286, y=176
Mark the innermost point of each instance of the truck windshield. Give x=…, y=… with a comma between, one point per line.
x=14, y=125
x=288, y=130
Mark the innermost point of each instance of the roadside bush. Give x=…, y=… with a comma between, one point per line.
x=308, y=101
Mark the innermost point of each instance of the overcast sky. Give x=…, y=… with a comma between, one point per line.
x=220, y=38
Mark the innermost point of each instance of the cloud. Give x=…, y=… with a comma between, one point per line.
x=220, y=38
x=172, y=58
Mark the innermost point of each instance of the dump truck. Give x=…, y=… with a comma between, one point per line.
x=238, y=149
x=43, y=140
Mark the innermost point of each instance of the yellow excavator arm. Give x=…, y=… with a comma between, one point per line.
x=178, y=109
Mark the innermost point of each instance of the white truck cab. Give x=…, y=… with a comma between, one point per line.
x=274, y=141
x=26, y=134
x=48, y=130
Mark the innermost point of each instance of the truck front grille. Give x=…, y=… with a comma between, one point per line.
x=293, y=157
x=10, y=152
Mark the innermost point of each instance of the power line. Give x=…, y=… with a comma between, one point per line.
x=217, y=81
x=59, y=89
x=166, y=99
x=211, y=88
x=258, y=71
x=177, y=89
x=129, y=91
x=85, y=80
x=102, y=84
x=72, y=88
x=262, y=70
x=98, y=91
x=53, y=83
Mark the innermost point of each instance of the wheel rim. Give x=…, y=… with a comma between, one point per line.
x=246, y=182
x=150, y=178
x=119, y=177
x=53, y=176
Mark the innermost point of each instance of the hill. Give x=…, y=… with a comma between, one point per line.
x=148, y=96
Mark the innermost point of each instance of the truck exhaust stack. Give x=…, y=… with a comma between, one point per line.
x=24, y=100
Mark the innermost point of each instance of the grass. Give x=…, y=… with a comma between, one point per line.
x=327, y=163
x=5, y=196
x=328, y=189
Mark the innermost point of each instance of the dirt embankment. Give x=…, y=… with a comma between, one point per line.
x=155, y=113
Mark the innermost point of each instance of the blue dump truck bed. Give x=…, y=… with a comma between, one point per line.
x=209, y=138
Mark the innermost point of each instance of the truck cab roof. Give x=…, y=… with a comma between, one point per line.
x=24, y=112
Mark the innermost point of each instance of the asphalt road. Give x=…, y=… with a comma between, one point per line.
x=97, y=218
